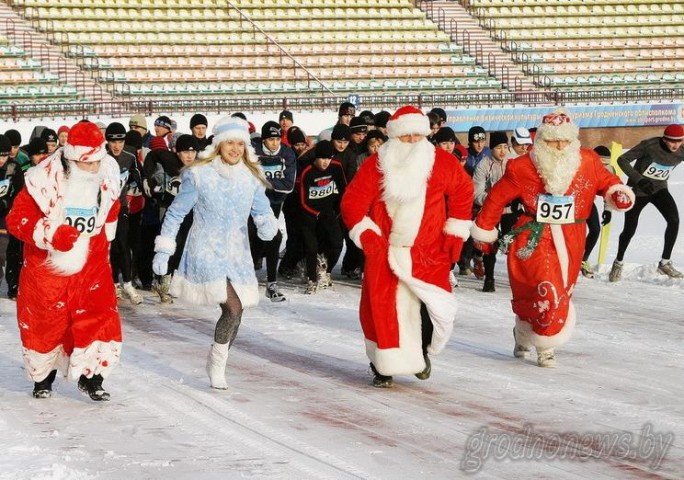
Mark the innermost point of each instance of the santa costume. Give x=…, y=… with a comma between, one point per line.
x=408, y=208
x=556, y=187
x=66, y=306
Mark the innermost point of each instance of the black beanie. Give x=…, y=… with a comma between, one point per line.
x=341, y=132
x=602, y=151
x=440, y=113
x=324, y=149
x=36, y=146
x=164, y=122
x=5, y=146
x=476, y=130
x=295, y=136
x=346, y=108
x=14, y=137
x=49, y=135
x=198, y=119
x=239, y=115
x=358, y=125
x=368, y=116
x=270, y=129
x=186, y=143
x=381, y=118
x=115, y=131
x=444, y=134
x=497, y=138
x=134, y=139
x=376, y=134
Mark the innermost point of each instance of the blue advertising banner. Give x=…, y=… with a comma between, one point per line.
x=589, y=116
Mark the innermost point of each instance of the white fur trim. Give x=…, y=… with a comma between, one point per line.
x=365, y=224
x=618, y=187
x=482, y=235
x=110, y=230
x=441, y=304
x=526, y=335
x=561, y=251
x=409, y=124
x=164, y=245
x=458, y=228
x=98, y=358
x=43, y=233
x=39, y=365
x=266, y=225
x=212, y=293
x=85, y=154
x=73, y=261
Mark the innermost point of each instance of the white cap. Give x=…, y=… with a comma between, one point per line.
x=522, y=136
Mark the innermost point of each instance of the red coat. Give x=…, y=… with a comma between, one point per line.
x=66, y=304
x=424, y=234
x=543, y=272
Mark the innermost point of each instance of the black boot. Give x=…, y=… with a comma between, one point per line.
x=489, y=285
x=425, y=374
x=381, y=381
x=43, y=389
x=93, y=387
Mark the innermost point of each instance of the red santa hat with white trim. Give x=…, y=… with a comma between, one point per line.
x=557, y=126
x=408, y=120
x=674, y=132
x=86, y=143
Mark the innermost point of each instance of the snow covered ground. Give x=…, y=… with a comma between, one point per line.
x=301, y=406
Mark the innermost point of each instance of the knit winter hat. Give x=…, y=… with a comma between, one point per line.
x=376, y=134
x=14, y=137
x=295, y=136
x=134, y=139
x=231, y=128
x=62, y=129
x=5, y=146
x=557, y=126
x=444, y=134
x=341, y=132
x=368, y=117
x=137, y=121
x=270, y=129
x=602, y=151
x=115, y=131
x=186, y=143
x=674, y=132
x=324, y=149
x=408, y=120
x=346, y=108
x=49, y=135
x=198, y=119
x=164, y=122
x=476, y=134
x=286, y=114
x=158, y=143
x=85, y=144
x=522, y=136
x=358, y=125
x=239, y=115
x=36, y=146
x=440, y=113
x=497, y=138
x=381, y=118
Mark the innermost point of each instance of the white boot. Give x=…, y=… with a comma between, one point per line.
x=546, y=358
x=216, y=365
x=132, y=294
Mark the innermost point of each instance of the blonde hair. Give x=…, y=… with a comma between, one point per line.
x=248, y=158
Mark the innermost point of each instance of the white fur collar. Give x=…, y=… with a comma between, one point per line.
x=226, y=170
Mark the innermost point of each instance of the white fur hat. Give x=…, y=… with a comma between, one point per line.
x=230, y=128
x=408, y=120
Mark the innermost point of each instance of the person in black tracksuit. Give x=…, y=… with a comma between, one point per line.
x=280, y=167
x=321, y=188
x=163, y=169
x=120, y=253
x=294, y=245
x=8, y=168
x=654, y=158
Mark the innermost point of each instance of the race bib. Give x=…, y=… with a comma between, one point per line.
x=123, y=178
x=556, y=210
x=274, y=172
x=322, y=191
x=82, y=219
x=656, y=171
x=4, y=187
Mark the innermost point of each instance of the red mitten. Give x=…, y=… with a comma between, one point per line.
x=484, y=247
x=64, y=238
x=621, y=200
x=453, y=246
x=372, y=243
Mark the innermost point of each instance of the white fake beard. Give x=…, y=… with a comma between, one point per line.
x=406, y=168
x=557, y=168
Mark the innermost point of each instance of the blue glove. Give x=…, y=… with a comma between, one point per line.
x=160, y=264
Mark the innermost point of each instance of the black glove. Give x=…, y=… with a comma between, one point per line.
x=646, y=186
x=607, y=216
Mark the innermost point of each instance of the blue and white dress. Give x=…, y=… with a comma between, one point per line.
x=221, y=197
